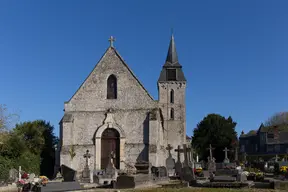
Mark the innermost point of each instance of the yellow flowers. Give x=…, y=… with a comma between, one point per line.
x=283, y=168
x=44, y=180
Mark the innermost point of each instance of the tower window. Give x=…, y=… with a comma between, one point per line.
x=172, y=96
x=172, y=114
x=112, y=87
x=171, y=74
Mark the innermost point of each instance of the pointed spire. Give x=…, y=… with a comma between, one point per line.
x=172, y=70
x=172, y=57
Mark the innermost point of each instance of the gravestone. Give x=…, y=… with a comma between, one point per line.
x=236, y=154
x=162, y=171
x=178, y=164
x=210, y=152
x=68, y=173
x=125, y=182
x=13, y=175
x=245, y=157
x=190, y=155
x=110, y=174
x=187, y=173
x=211, y=165
x=60, y=186
x=86, y=171
x=241, y=177
x=226, y=160
x=170, y=162
x=110, y=170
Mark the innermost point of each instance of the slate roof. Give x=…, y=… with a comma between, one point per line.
x=249, y=134
x=281, y=128
x=264, y=129
x=172, y=63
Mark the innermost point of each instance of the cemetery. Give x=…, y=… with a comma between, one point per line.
x=114, y=133
x=177, y=175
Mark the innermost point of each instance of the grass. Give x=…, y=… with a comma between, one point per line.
x=200, y=190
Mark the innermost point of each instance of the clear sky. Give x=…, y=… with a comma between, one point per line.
x=234, y=53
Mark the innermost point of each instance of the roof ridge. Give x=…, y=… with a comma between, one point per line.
x=126, y=65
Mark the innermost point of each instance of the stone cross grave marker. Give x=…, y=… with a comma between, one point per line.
x=226, y=160
x=236, y=153
x=187, y=173
x=245, y=156
x=178, y=164
x=19, y=173
x=86, y=171
x=110, y=170
x=190, y=152
x=211, y=165
x=170, y=162
x=210, y=152
x=185, y=155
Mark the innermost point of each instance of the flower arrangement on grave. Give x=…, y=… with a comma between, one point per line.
x=283, y=169
x=26, y=183
x=254, y=174
x=44, y=180
x=20, y=183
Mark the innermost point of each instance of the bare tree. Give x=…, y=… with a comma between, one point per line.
x=6, y=118
x=277, y=119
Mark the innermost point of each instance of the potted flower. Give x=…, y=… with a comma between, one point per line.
x=44, y=180
x=20, y=183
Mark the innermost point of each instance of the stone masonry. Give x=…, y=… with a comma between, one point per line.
x=142, y=122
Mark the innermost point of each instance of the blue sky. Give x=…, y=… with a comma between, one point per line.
x=234, y=53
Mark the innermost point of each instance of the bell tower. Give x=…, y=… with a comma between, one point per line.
x=171, y=96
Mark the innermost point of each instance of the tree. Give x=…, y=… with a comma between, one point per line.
x=218, y=131
x=5, y=118
x=40, y=140
x=277, y=119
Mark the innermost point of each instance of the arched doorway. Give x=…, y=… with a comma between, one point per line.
x=110, y=141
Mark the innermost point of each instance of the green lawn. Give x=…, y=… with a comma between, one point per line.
x=201, y=190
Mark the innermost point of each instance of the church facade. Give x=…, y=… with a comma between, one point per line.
x=113, y=112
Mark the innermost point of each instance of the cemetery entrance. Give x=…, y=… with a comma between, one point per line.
x=110, y=145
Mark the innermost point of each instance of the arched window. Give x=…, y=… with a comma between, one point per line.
x=172, y=114
x=172, y=96
x=112, y=87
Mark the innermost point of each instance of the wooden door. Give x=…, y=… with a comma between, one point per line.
x=110, y=141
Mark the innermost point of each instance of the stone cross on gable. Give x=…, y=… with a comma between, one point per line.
x=169, y=148
x=111, y=40
x=87, y=155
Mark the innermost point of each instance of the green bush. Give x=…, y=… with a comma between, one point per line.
x=29, y=162
x=5, y=165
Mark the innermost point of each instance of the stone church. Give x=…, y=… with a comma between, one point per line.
x=113, y=112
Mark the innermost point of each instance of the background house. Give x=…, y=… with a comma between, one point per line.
x=267, y=140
